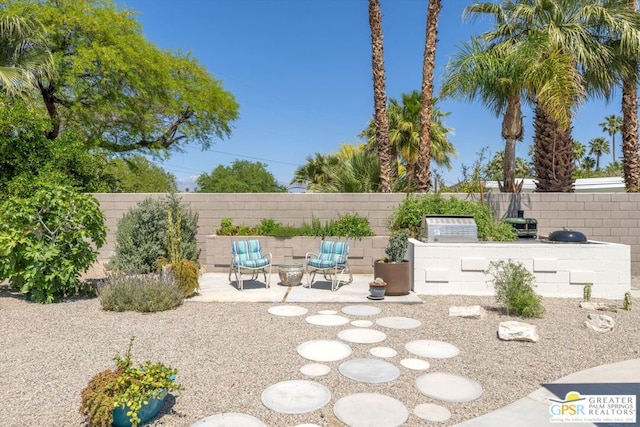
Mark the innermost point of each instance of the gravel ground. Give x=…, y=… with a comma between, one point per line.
x=227, y=354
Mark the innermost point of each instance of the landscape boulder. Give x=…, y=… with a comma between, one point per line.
x=600, y=322
x=469, y=312
x=518, y=331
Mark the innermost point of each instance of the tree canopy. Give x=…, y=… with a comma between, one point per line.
x=242, y=176
x=138, y=175
x=115, y=88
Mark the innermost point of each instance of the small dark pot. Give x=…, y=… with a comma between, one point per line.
x=397, y=276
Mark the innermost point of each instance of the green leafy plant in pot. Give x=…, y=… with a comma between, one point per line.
x=393, y=269
x=127, y=395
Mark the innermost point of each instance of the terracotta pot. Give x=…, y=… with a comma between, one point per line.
x=396, y=275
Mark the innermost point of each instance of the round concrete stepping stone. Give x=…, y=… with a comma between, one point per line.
x=296, y=397
x=287, y=310
x=371, y=371
x=362, y=323
x=327, y=320
x=432, y=412
x=229, y=419
x=315, y=369
x=399, y=322
x=306, y=425
x=448, y=387
x=327, y=312
x=370, y=409
x=415, y=364
x=361, y=310
x=433, y=349
x=362, y=336
x=383, y=352
x=324, y=350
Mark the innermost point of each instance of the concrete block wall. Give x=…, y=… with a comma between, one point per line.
x=609, y=217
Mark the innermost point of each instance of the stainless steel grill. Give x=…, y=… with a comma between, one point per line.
x=449, y=229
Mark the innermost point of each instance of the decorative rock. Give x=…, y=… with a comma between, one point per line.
x=600, y=322
x=469, y=312
x=598, y=306
x=518, y=331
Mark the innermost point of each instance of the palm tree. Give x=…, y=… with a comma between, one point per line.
x=579, y=151
x=598, y=146
x=587, y=163
x=612, y=124
x=562, y=28
x=404, y=136
x=24, y=56
x=379, y=94
x=500, y=76
x=315, y=171
x=428, y=67
x=358, y=172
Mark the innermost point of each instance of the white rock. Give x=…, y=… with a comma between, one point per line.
x=598, y=306
x=470, y=312
x=600, y=322
x=518, y=331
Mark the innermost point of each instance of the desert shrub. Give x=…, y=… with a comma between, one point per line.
x=47, y=238
x=142, y=292
x=514, y=287
x=408, y=215
x=349, y=225
x=141, y=236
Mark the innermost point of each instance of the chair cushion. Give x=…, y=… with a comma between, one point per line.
x=248, y=253
x=331, y=254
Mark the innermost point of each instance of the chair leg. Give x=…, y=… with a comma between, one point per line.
x=267, y=279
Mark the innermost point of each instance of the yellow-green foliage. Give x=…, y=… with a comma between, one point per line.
x=97, y=403
x=186, y=275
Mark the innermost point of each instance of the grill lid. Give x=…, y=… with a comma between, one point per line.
x=567, y=235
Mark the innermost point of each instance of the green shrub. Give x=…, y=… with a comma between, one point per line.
x=143, y=292
x=141, y=236
x=408, y=215
x=349, y=225
x=47, y=238
x=514, y=287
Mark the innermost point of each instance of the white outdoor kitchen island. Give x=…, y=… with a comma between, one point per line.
x=560, y=269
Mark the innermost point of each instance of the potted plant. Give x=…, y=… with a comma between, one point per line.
x=127, y=395
x=377, y=289
x=393, y=269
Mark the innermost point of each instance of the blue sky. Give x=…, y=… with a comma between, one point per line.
x=301, y=72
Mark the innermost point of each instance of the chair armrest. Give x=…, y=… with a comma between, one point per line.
x=268, y=255
x=309, y=255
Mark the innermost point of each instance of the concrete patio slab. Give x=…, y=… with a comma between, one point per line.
x=216, y=287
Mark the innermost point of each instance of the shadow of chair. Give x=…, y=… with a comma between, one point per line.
x=332, y=261
x=247, y=257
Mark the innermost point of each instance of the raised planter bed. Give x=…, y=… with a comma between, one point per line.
x=292, y=250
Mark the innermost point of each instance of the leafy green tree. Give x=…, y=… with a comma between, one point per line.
x=494, y=169
x=612, y=124
x=598, y=146
x=27, y=155
x=242, y=176
x=24, y=56
x=117, y=89
x=138, y=175
x=49, y=234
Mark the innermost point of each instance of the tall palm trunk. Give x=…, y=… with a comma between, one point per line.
x=553, y=156
x=380, y=95
x=511, y=132
x=428, y=67
x=630, y=161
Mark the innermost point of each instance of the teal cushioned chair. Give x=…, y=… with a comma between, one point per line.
x=247, y=257
x=332, y=261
